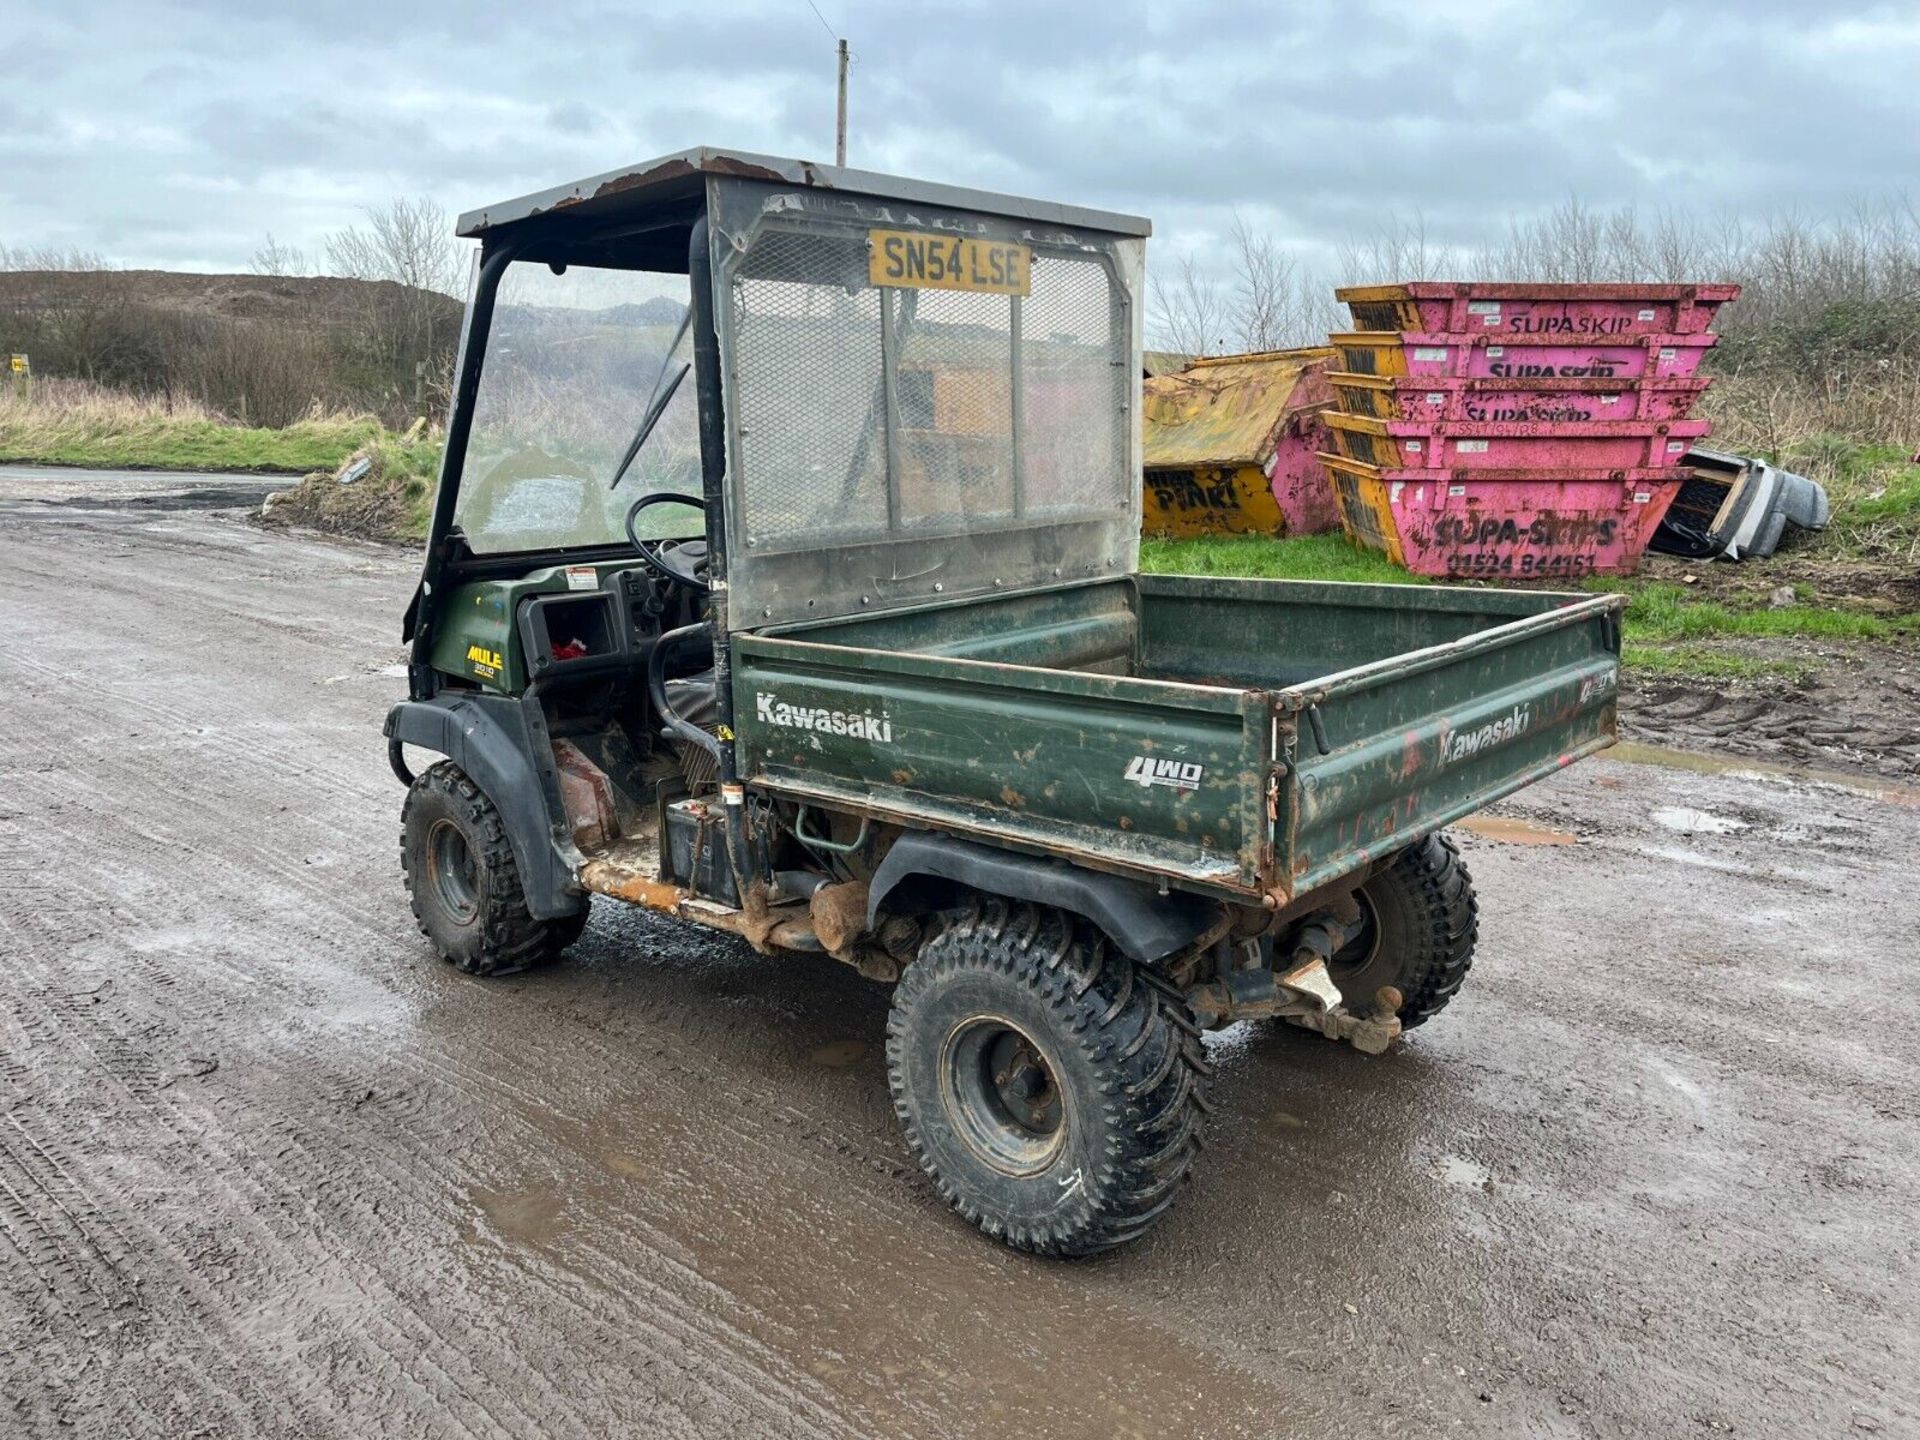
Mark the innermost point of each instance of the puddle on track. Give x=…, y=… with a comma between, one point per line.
x=535, y=1215
x=1462, y=1173
x=1744, y=768
x=838, y=1054
x=1511, y=830
x=1698, y=822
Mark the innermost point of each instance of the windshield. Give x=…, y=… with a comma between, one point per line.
x=572, y=363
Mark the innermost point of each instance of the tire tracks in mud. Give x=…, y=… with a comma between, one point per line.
x=317, y=1149
x=306, y=1164
x=487, y=1070
x=622, y=1194
x=252, y=1185
x=287, y=1199
x=459, y=1080
x=1873, y=722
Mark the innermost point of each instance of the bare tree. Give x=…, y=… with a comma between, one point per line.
x=1265, y=301
x=1400, y=250
x=1679, y=249
x=260, y=373
x=408, y=241
x=410, y=244
x=1189, y=312
x=273, y=258
x=76, y=318
x=53, y=257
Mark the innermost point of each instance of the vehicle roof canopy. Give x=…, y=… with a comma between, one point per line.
x=890, y=438
x=657, y=186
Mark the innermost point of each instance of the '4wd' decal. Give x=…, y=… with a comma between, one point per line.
x=1147, y=772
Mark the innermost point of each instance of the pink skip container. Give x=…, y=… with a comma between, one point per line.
x=1525, y=358
x=1557, y=525
x=1434, y=399
x=1545, y=446
x=1568, y=312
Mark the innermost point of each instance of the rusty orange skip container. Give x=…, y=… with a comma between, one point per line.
x=1231, y=443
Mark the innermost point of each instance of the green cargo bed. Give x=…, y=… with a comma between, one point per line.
x=1252, y=738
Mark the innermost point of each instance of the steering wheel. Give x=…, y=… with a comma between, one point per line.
x=683, y=562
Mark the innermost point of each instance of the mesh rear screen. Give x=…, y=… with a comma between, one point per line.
x=818, y=369
x=893, y=444
x=808, y=393
x=1076, y=390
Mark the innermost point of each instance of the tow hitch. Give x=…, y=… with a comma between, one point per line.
x=1304, y=994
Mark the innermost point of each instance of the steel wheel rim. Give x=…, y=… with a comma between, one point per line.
x=1357, y=954
x=455, y=877
x=1002, y=1094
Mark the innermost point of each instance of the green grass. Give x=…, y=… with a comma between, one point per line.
x=1304, y=557
x=161, y=442
x=392, y=501
x=1874, y=491
x=413, y=465
x=1892, y=496
x=1704, y=662
x=1663, y=612
x=1669, y=630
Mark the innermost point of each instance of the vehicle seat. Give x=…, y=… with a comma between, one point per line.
x=695, y=698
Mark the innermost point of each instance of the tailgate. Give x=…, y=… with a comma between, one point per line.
x=1389, y=751
x=1111, y=771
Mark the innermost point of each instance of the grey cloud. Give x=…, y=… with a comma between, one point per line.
x=575, y=117
x=181, y=133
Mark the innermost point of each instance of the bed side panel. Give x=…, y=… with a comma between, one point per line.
x=1417, y=743
x=1108, y=771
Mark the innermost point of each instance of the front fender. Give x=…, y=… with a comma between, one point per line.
x=490, y=739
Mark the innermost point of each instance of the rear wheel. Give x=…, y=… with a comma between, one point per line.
x=1051, y=1089
x=1419, y=924
x=464, y=883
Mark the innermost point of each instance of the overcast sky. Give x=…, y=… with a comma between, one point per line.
x=179, y=135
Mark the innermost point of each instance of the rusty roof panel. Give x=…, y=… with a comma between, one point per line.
x=1229, y=410
x=675, y=177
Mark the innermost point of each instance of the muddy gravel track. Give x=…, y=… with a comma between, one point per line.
x=267, y=1168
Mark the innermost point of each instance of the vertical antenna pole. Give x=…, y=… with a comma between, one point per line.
x=840, y=127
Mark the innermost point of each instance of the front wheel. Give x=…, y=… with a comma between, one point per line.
x=1419, y=924
x=1050, y=1088
x=464, y=883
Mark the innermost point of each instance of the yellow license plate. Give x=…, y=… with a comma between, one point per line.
x=921, y=261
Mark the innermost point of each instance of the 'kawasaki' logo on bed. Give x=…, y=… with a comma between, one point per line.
x=1459, y=744
x=862, y=725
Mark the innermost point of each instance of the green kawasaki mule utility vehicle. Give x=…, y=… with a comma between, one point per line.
x=783, y=578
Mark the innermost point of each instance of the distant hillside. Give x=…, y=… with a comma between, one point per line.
x=259, y=348
x=306, y=298
x=657, y=311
